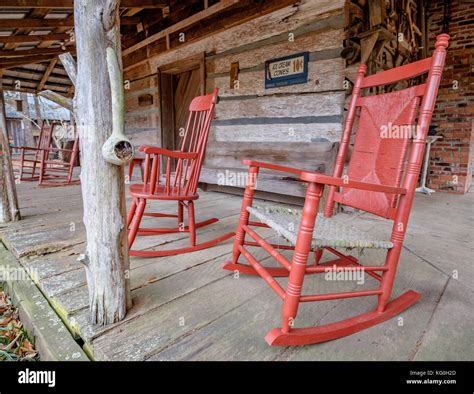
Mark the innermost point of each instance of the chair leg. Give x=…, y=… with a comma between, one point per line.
x=41, y=172
x=386, y=285
x=22, y=158
x=244, y=214
x=180, y=213
x=136, y=222
x=300, y=256
x=131, y=212
x=69, y=174
x=130, y=170
x=191, y=223
x=318, y=253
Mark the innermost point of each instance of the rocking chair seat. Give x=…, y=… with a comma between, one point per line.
x=136, y=190
x=328, y=232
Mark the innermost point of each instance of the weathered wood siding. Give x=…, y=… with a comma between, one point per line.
x=297, y=125
x=142, y=117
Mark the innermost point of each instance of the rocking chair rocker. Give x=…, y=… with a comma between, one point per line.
x=377, y=181
x=180, y=186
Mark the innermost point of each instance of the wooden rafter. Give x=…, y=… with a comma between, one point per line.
x=47, y=73
x=36, y=77
x=36, y=23
x=32, y=52
x=70, y=3
x=13, y=62
x=21, y=38
x=65, y=22
x=222, y=5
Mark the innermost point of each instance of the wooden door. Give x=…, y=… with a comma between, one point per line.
x=187, y=87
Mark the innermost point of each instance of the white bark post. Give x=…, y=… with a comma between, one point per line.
x=69, y=65
x=57, y=98
x=9, y=210
x=103, y=187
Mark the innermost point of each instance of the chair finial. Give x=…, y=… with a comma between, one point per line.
x=442, y=40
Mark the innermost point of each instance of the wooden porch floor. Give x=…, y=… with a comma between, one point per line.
x=187, y=308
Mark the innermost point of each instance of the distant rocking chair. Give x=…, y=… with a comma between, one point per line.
x=377, y=181
x=180, y=186
x=56, y=170
x=30, y=157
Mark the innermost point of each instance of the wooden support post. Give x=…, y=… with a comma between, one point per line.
x=39, y=114
x=103, y=184
x=69, y=65
x=9, y=210
x=57, y=98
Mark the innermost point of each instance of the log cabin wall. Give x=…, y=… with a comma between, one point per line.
x=142, y=108
x=297, y=125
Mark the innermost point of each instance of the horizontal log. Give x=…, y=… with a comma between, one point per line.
x=290, y=106
x=271, y=183
x=33, y=52
x=16, y=62
x=292, y=132
x=34, y=38
x=70, y=3
x=33, y=82
x=66, y=22
x=275, y=25
x=323, y=76
x=36, y=76
x=321, y=44
x=308, y=156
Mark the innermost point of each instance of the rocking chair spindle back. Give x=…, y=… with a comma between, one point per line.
x=180, y=185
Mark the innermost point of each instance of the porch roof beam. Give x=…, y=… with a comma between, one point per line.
x=13, y=62
x=31, y=52
x=65, y=22
x=70, y=4
x=34, y=38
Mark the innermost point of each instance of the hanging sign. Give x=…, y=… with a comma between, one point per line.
x=288, y=70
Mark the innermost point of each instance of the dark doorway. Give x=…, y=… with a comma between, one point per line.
x=179, y=85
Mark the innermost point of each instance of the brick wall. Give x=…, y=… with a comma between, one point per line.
x=451, y=159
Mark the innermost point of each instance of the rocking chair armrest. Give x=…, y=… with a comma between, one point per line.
x=341, y=182
x=275, y=167
x=152, y=150
x=58, y=149
x=27, y=148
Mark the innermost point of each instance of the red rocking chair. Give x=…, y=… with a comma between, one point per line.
x=30, y=157
x=377, y=181
x=57, y=165
x=180, y=186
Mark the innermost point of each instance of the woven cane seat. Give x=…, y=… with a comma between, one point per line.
x=328, y=231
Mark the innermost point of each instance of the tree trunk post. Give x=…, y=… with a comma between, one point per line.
x=9, y=210
x=103, y=187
